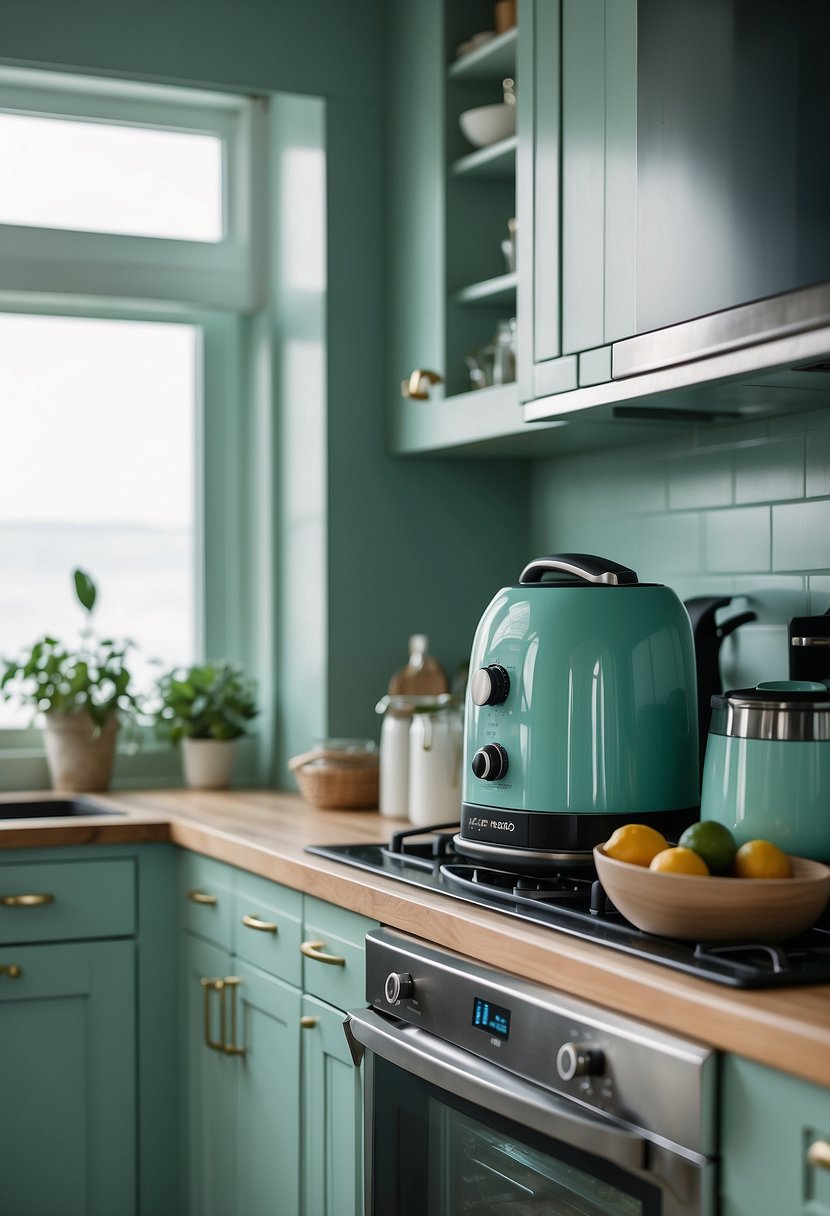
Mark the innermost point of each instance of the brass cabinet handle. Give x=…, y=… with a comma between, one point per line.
x=27, y=901
x=209, y=986
x=316, y=950
x=418, y=385
x=221, y=986
x=11, y=970
x=202, y=897
x=253, y=922
x=307, y=1022
x=818, y=1154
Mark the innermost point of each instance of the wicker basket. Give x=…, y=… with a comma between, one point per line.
x=337, y=781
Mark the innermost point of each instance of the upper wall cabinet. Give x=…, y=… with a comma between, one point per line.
x=451, y=141
x=683, y=242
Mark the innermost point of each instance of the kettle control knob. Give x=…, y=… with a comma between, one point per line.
x=490, y=685
x=577, y=1060
x=490, y=762
x=399, y=986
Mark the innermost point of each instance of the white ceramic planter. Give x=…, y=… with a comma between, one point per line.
x=208, y=763
x=79, y=756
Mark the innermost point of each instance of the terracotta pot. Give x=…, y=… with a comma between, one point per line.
x=79, y=755
x=208, y=763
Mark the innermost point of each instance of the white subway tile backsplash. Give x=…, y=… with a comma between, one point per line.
x=770, y=472
x=801, y=536
x=699, y=480
x=738, y=540
x=818, y=464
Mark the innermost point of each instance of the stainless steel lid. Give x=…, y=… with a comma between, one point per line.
x=780, y=710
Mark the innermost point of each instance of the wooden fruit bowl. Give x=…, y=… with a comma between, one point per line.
x=716, y=909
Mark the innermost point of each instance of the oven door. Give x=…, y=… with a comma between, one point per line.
x=449, y=1134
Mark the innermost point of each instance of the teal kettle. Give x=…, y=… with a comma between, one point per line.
x=581, y=714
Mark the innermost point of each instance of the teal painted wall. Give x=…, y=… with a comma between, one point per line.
x=358, y=550
x=742, y=511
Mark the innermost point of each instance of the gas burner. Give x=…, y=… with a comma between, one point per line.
x=420, y=848
x=573, y=902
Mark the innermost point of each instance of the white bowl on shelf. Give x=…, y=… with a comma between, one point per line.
x=487, y=125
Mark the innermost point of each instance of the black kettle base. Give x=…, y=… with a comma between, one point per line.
x=551, y=838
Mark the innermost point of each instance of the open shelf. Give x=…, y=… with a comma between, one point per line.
x=495, y=161
x=500, y=290
x=493, y=60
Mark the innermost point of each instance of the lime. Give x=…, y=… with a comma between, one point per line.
x=713, y=842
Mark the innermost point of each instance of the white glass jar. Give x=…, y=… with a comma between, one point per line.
x=397, y=713
x=436, y=739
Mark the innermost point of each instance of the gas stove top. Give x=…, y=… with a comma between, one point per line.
x=574, y=902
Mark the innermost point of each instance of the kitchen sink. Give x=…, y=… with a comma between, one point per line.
x=54, y=808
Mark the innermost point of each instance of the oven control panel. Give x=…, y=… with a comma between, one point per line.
x=608, y=1062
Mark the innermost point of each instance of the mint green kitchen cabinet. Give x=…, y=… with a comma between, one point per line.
x=67, y=1060
x=775, y=1143
x=87, y=1121
x=271, y=1101
x=334, y=980
x=449, y=285
x=241, y=1041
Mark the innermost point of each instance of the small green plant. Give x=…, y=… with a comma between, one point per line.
x=51, y=677
x=205, y=701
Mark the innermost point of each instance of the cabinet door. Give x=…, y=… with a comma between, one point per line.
x=67, y=1061
x=332, y=1116
x=267, y=1101
x=775, y=1134
x=208, y=1090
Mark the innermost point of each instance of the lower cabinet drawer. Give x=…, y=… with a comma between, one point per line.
x=333, y=953
x=267, y=925
x=56, y=901
x=206, y=898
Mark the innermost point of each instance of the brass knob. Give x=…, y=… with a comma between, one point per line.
x=418, y=385
x=308, y=1023
x=12, y=970
x=27, y=901
x=818, y=1154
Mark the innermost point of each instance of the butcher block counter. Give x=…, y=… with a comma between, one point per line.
x=266, y=833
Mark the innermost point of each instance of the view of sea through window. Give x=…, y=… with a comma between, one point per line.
x=97, y=443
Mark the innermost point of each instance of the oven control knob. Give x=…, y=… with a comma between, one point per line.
x=398, y=987
x=490, y=762
x=577, y=1060
x=490, y=685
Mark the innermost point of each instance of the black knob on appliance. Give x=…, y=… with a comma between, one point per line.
x=490, y=685
x=398, y=987
x=577, y=1060
x=490, y=762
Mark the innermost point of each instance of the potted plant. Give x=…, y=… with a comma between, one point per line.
x=83, y=692
x=206, y=707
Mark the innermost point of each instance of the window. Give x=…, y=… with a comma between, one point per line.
x=129, y=219
x=100, y=416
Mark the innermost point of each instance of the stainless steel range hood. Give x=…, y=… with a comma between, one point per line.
x=768, y=357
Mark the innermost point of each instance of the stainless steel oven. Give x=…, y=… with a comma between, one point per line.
x=488, y=1095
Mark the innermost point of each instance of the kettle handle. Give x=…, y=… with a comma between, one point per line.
x=584, y=565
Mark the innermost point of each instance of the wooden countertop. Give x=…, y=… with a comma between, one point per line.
x=266, y=832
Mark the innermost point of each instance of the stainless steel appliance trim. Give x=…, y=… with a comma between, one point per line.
x=495, y=852
x=490, y=1087
x=777, y=721
x=747, y=325
x=810, y=641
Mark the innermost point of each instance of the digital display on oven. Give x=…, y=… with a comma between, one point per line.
x=491, y=1018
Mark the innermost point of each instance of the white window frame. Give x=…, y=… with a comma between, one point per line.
x=225, y=274
x=210, y=285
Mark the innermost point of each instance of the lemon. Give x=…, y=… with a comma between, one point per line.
x=713, y=842
x=679, y=861
x=635, y=843
x=761, y=859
